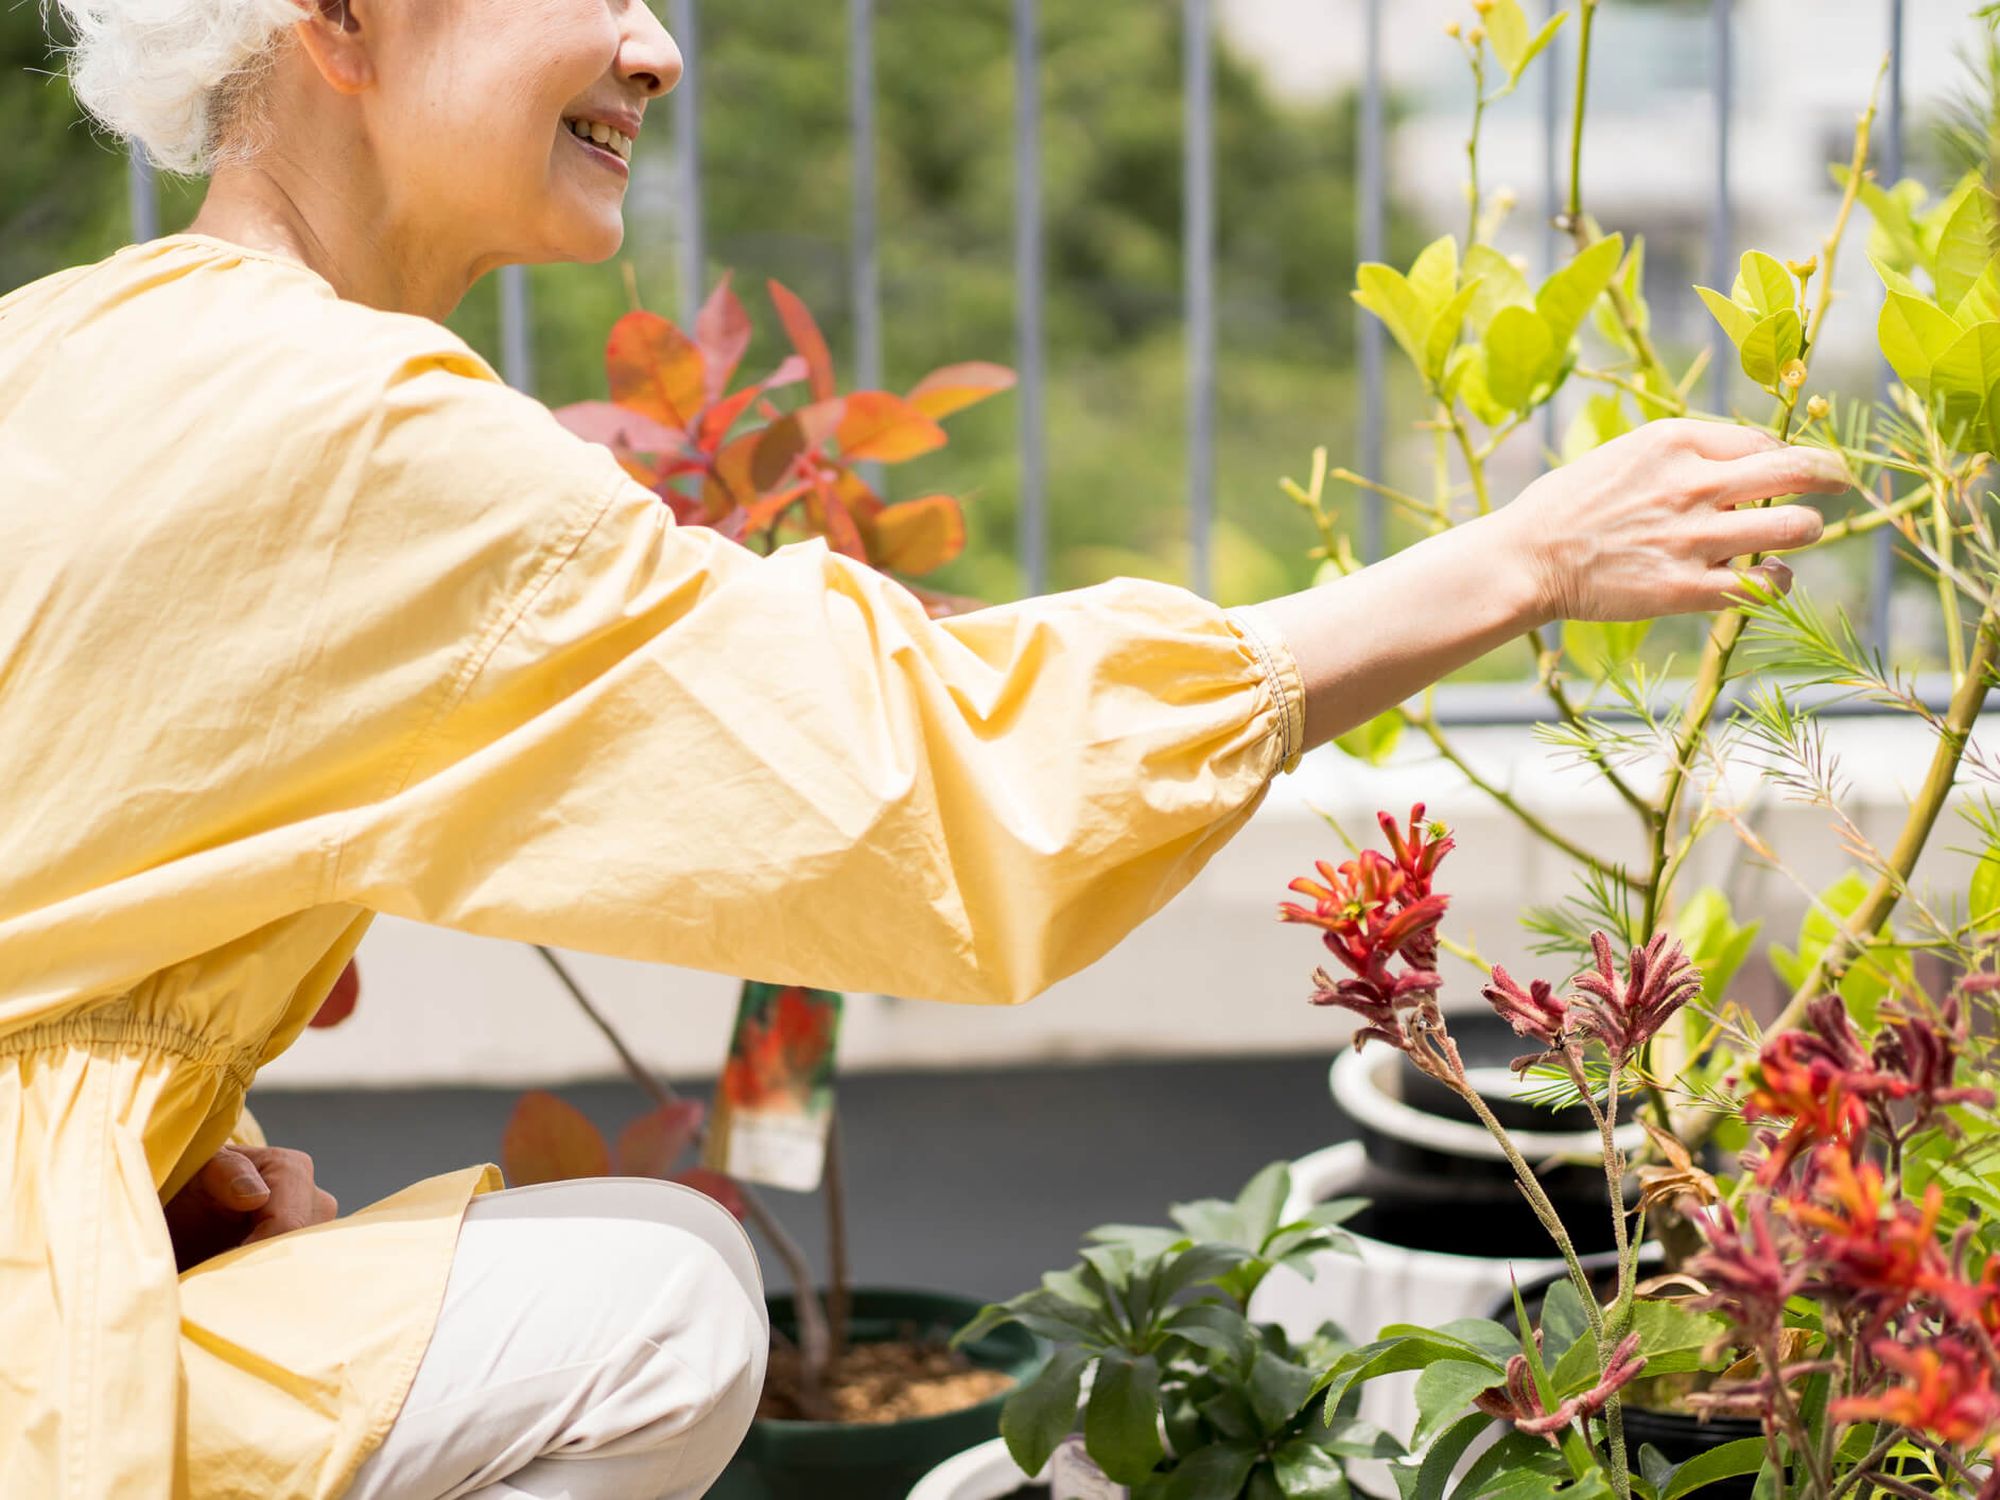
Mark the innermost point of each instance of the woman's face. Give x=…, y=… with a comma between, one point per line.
x=463, y=110
x=477, y=103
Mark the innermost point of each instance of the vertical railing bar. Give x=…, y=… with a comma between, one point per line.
x=141, y=195
x=1368, y=328
x=867, y=271
x=1552, y=195
x=1198, y=256
x=1882, y=569
x=1722, y=230
x=687, y=160
x=1030, y=333
x=517, y=360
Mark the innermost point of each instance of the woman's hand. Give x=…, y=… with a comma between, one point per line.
x=1644, y=525
x=243, y=1194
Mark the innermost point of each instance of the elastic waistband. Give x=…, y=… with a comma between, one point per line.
x=117, y=1025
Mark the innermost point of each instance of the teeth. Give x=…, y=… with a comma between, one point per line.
x=602, y=135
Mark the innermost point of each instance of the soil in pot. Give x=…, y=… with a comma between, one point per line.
x=881, y=1456
x=1678, y=1435
x=886, y=1381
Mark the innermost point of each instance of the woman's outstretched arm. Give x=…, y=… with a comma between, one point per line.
x=1641, y=527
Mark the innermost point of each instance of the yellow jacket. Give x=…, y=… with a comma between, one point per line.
x=305, y=615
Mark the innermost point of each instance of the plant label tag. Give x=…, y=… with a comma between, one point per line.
x=774, y=1102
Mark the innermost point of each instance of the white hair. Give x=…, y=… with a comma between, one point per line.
x=179, y=77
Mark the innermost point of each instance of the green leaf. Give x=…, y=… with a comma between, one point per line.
x=1434, y=273
x=1443, y=1455
x=1893, y=237
x=1967, y=376
x=1565, y=298
x=1040, y=1414
x=1385, y=292
x=1744, y=1456
x=1764, y=285
x=1213, y=1326
x=1260, y=1203
x=1736, y=319
x=1601, y=419
x=1513, y=46
x=1984, y=898
x=1518, y=348
x=1603, y=648
x=1964, y=247
x=1406, y=1348
x=1278, y=1389
x=1208, y=1473
x=1501, y=284
x=1772, y=344
x=1564, y=1319
x=1444, y=1391
x=1307, y=1472
x=1121, y=1421
x=1444, y=332
x=1514, y=1454
x=1716, y=943
x=1982, y=303
x=1631, y=280
x=1671, y=1337
x=1375, y=741
x=1914, y=335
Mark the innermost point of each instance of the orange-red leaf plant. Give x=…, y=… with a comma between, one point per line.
x=762, y=474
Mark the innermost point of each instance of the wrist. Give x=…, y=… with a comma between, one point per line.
x=1521, y=567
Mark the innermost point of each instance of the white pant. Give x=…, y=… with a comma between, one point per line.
x=602, y=1339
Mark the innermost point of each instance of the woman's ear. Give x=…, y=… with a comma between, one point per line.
x=333, y=37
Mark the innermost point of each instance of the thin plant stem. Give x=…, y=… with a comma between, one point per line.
x=839, y=1298
x=1585, y=25
x=814, y=1344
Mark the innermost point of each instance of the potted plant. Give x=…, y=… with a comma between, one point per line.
x=1847, y=1287
x=1187, y=1397
x=1492, y=350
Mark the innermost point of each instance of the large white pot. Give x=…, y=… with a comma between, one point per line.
x=989, y=1472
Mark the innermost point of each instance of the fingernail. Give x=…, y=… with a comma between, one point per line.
x=245, y=1185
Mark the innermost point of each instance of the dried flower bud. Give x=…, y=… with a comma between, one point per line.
x=1451, y=29
x=1476, y=35
x=1817, y=408
x=1794, y=373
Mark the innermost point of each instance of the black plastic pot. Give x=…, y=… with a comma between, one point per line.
x=1477, y=1213
x=876, y=1461
x=1678, y=1436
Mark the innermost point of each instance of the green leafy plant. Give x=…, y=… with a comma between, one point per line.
x=1188, y=1399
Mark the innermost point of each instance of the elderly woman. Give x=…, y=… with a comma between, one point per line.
x=308, y=616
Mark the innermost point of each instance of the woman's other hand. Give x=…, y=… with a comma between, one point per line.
x=1647, y=524
x=243, y=1194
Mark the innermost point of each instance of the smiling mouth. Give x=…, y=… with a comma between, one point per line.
x=615, y=148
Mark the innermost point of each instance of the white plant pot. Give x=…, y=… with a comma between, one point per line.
x=989, y=1472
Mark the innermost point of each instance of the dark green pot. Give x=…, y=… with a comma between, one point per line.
x=876, y=1461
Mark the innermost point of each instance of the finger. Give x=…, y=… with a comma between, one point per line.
x=1727, y=590
x=292, y=1204
x=1789, y=470
x=233, y=1180
x=1781, y=528
x=1717, y=440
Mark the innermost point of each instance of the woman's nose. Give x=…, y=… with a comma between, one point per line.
x=648, y=55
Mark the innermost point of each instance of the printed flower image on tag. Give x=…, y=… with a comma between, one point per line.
x=774, y=1102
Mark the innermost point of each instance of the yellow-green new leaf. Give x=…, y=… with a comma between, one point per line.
x=1967, y=376
x=1385, y=292
x=1434, y=273
x=1501, y=285
x=1565, y=298
x=1375, y=741
x=1984, y=897
x=1444, y=333
x=1982, y=303
x=1602, y=419
x=1963, y=249
x=1519, y=349
x=1772, y=344
x=1736, y=319
x=1631, y=280
x=1507, y=33
x=1764, y=285
x=1893, y=236
x=1465, y=379
x=1601, y=648
x=1914, y=335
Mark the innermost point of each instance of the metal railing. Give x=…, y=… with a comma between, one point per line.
x=1200, y=250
